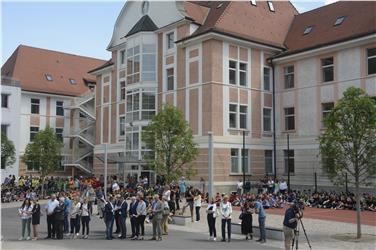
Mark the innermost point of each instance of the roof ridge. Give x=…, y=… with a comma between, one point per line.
x=60, y=52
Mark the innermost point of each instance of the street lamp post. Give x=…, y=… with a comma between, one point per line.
x=288, y=163
x=105, y=170
x=243, y=160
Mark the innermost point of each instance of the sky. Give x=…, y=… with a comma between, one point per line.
x=82, y=28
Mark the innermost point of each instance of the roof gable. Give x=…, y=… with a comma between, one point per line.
x=144, y=24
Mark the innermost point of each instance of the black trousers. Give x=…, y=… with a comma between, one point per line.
x=75, y=225
x=122, y=226
x=198, y=213
x=133, y=225
x=177, y=204
x=211, y=223
x=51, y=229
x=171, y=204
x=85, y=224
x=224, y=221
x=59, y=227
x=118, y=226
x=140, y=225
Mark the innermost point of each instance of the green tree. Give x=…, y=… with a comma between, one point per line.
x=170, y=139
x=45, y=152
x=7, y=151
x=349, y=141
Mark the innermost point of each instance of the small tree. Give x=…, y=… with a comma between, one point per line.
x=349, y=141
x=170, y=139
x=7, y=151
x=45, y=152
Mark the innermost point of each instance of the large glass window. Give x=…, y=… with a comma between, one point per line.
x=289, y=76
x=371, y=61
x=289, y=118
x=237, y=73
x=289, y=161
x=170, y=79
x=269, y=162
x=267, y=119
x=237, y=161
x=327, y=66
x=122, y=57
x=148, y=62
x=4, y=100
x=133, y=65
x=140, y=100
x=35, y=106
x=59, y=134
x=59, y=108
x=233, y=115
x=33, y=132
x=148, y=105
x=132, y=142
x=242, y=74
x=133, y=106
x=242, y=117
x=267, y=78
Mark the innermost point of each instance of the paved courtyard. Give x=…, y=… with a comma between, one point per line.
x=322, y=234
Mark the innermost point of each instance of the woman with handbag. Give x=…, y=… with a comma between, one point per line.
x=246, y=218
x=211, y=212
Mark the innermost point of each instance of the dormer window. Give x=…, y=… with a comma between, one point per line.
x=339, y=20
x=307, y=30
x=72, y=81
x=49, y=77
x=253, y=2
x=271, y=6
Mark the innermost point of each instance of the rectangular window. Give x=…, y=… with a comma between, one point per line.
x=327, y=66
x=289, y=76
x=4, y=129
x=32, y=166
x=267, y=119
x=289, y=161
x=232, y=72
x=234, y=160
x=33, y=132
x=122, y=125
x=371, y=61
x=148, y=105
x=122, y=56
x=170, y=79
x=232, y=115
x=4, y=100
x=59, y=108
x=246, y=168
x=35, y=106
x=242, y=74
x=242, y=117
x=59, y=133
x=170, y=40
x=289, y=118
x=267, y=78
x=122, y=90
x=269, y=162
x=326, y=108
x=133, y=65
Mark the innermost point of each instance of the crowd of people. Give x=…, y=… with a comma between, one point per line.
x=73, y=201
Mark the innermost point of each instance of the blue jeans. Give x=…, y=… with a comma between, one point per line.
x=262, y=227
x=66, y=223
x=109, y=225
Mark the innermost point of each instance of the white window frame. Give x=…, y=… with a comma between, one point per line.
x=7, y=100
x=122, y=57
x=170, y=76
x=235, y=113
x=33, y=132
x=169, y=35
x=62, y=133
x=34, y=104
x=268, y=159
x=270, y=78
x=59, y=106
x=243, y=114
x=286, y=74
x=270, y=119
x=123, y=90
x=238, y=71
x=291, y=158
x=131, y=74
x=122, y=123
x=323, y=67
x=286, y=116
x=325, y=112
x=239, y=161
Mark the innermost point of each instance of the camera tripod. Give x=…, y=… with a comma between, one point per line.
x=295, y=240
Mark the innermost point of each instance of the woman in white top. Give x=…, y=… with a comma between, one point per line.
x=197, y=204
x=211, y=211
x=75, y=214
x=85, y=218
x=226, y=211
x=141, y=215
x=26, y=212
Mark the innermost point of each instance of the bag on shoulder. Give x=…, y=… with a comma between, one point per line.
x=166, y=210
x=241, y=216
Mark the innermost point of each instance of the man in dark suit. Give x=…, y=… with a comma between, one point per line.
x=133, y=216
x=109, y=217
x=122, y=209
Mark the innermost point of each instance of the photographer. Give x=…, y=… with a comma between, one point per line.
x=290, y=222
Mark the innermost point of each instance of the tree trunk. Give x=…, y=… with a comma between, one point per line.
x=357, y=197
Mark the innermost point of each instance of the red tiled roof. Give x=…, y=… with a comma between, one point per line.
x=360, y=20
x=29, y=65
x=255, y=23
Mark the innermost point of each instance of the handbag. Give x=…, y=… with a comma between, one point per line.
x=241, y=216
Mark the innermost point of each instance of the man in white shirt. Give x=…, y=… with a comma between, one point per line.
x=283, y=186
x=50, y=207
x=239, y=187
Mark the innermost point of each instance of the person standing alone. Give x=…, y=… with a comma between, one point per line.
x=259, y=209
x=226, y=211
x=50, y=207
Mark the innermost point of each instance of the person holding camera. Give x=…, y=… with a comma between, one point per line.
x=290, y=222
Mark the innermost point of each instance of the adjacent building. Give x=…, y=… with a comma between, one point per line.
x=220, y=63
x=41, y=88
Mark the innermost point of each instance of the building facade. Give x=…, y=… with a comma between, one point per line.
x=45, y=86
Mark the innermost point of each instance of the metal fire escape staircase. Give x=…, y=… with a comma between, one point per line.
x=82, y=133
